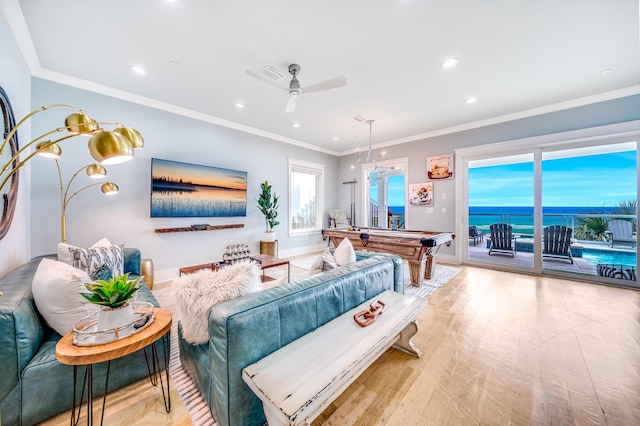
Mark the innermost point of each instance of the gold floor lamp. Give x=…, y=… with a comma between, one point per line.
x=106, y=147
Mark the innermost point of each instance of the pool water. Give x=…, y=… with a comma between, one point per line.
x=595, y=256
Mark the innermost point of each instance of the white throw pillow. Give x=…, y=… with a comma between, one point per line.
x=56, y=290
x=324, y=262
x=92, y=258
x=344, y=253
x=64, y=250
x=197, y=293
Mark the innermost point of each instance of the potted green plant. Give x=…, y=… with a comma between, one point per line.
x=268, y=205
x=113, y=297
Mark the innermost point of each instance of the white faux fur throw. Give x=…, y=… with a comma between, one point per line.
x=197, y=293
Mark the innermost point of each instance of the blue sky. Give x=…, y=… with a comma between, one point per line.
x=588, y=181
x=396, y=191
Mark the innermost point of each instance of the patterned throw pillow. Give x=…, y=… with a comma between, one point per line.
x=103, y=273
x=324, y=262
x=91, y=259
x=64, y=250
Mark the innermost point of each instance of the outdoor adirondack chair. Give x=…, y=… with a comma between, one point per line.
x=556, y=242
x=502, y=239
x=475, y=235
x=621, y=231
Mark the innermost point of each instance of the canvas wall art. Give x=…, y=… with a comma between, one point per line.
x=192, y=190
x=421, y=194
x=440, y=167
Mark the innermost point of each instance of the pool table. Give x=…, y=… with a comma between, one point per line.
x=419, y=248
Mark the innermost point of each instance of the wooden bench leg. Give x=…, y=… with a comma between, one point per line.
x=405, y=344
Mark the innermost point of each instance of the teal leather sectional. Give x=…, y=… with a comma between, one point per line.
x=33, y=384
x=246, y=329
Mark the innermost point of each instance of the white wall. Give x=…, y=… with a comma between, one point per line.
x=16, y=81
x=125, y=216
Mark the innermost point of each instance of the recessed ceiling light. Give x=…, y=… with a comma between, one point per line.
x=296, y=124
x=607, y=71
x=335, y=139
x=239, y=105
x=138, y=69
x=449, y=63
x=174, y=64
x=470, y=100
x=170, y=1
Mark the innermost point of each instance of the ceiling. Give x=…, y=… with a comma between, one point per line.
x=518, y=58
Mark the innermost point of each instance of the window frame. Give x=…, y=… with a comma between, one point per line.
x=298, y=166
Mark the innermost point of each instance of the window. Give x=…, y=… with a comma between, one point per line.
x=306, y=206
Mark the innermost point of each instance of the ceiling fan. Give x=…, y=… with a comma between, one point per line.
x=270, y=75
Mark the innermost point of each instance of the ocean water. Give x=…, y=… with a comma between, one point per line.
x=521, y=218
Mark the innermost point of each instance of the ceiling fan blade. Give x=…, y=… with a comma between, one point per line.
x=291, y=105
x=334, y=83
x=265, y=79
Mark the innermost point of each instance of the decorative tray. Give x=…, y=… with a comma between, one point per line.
x=86, y=333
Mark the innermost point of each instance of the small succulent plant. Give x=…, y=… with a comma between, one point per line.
x=113, y=293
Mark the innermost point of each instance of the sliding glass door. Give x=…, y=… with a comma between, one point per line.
x=501, y=193
x=385, y=194
x=588, y=195
x=564, y=208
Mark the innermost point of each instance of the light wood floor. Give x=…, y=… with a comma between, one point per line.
x=502, y=348
x=138, y=404
x=498, y=349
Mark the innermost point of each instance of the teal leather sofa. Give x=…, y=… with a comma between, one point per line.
x=248, y=328
x=34, y=385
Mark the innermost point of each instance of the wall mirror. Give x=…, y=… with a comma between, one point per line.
x=10, y=190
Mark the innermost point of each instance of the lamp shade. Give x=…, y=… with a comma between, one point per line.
x=48, y=149
x=80, y=122
x=110, y=148
x=96, y=171
x=109, y=188
x=132, y=135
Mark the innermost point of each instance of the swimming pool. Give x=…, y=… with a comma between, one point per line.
x=595, y=256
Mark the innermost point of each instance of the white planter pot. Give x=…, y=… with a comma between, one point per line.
x=109, y=319
x=269, y=237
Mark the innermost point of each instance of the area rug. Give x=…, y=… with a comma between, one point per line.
x=442, y=275
x=186, y=388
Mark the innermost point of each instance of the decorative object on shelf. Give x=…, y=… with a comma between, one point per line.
x=94, y=171
x=236, y=252
x=113, y=297
x=193, y=190
x=9, y=194
x=367, y=159
x=268, y=205
x=440, y=167
x=86, y=332
x=200, y=226
x=106, y=147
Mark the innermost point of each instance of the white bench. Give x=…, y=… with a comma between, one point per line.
x=298, y=381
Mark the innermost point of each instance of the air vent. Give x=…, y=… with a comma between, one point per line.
x=360, y=119
x=272, y=73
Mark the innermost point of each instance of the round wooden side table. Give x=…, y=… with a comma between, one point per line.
x=70, y=354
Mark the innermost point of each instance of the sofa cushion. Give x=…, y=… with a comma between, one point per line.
x=92, y=258
x=56, y=290
x=324, y=262
x=197, y=293
x=344, y=253
x=64, y=250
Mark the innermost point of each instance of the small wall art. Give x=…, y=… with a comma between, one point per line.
x=440, y=167
x=421, y=194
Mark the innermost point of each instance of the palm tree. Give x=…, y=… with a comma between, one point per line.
x=593, y=227
x=627, y=207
